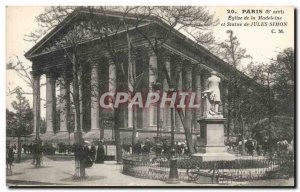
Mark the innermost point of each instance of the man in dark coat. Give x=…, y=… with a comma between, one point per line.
x=86, y=157
x=37, y=153
x=249, y=146
x=100, y=153
x=137, y=148
x=9, y=159
x=93, y=152
x=147, y=147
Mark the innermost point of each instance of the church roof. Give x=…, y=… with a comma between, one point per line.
x=51, y=33
x=115, y=14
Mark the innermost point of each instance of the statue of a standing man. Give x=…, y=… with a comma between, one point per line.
x=213, y=92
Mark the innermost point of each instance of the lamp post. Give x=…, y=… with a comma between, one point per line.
x=173, y=175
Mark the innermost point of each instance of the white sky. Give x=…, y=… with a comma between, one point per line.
x=258, y=41
x=20, y=21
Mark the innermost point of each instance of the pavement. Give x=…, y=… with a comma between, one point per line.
x=59, y=173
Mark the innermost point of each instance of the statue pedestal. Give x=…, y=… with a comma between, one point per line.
x=210, y=145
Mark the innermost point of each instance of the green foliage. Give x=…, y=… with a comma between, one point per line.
x=231, y=51
x=10, y=122
x=279, y=128
x=19, y=123
x=243, y=103
x=277, y=100
x=283, y=86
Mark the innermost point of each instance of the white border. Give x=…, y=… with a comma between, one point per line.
x=4, y=3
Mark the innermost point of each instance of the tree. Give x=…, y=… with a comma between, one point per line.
x=280, y=128
x=258, y=72
x=177, y=18
x=23, y=72
x=191, y=20
x=10, y=123
x=20, y=123
x=278, y=97
x=70, y=44
x=106, y=30
x=284, y=81
x=232, y=53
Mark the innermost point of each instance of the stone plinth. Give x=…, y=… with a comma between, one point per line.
x=210, y=145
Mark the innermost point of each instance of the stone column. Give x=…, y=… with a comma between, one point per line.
x=224, y=98
x=130, y=117
x=64, y=103
x=152, y=80
x=112, y=76
x=112, y=86
x=166, y=110
x=178, y=123
x=187, y=87
x=50, y=103
x=197, y=89
x=36, y=103
x=131, y=76
x=95, y=107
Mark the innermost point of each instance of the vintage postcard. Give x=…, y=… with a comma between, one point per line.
x=193, y=96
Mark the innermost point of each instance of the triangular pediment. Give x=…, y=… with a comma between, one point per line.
x=82, y=26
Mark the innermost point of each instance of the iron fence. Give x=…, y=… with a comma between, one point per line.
x=191, y=169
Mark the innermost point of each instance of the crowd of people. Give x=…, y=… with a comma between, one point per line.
x=268, y=147
x=34, y=149
x=30, y=148
x=161, y=147
x=89, y=153
x=265, y=147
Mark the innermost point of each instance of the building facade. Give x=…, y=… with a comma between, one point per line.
x=129, y=58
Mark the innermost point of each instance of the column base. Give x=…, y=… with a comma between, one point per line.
x=94, y=129
x=62, y=131
x=214, y=156
x=211, y=149
x=47, y=136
